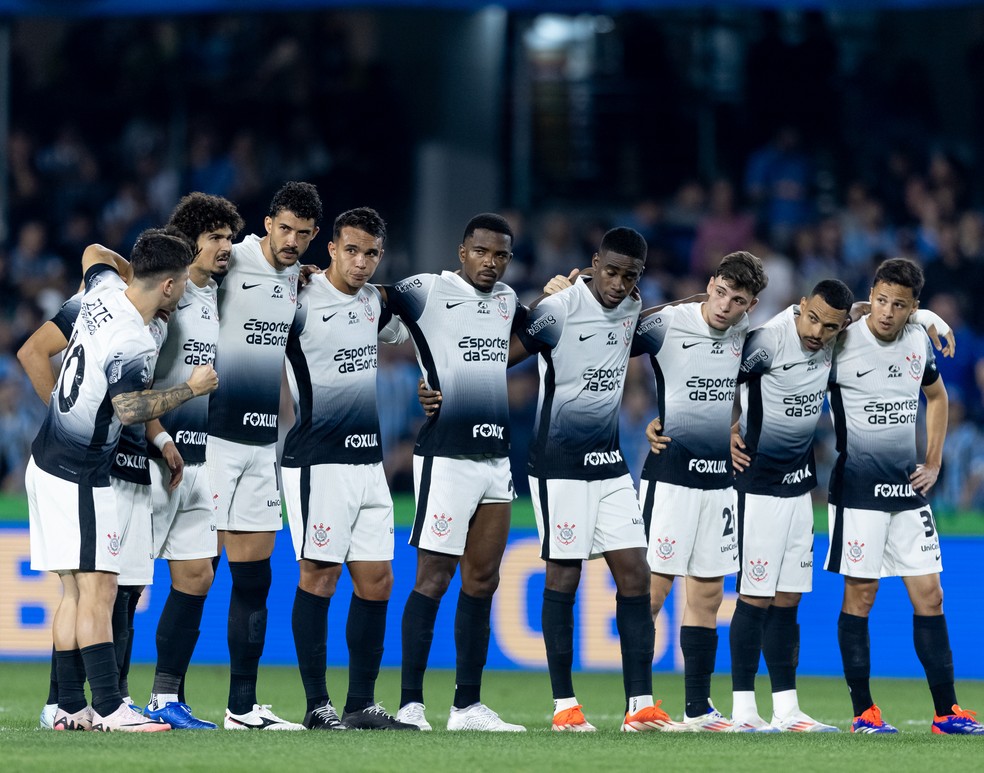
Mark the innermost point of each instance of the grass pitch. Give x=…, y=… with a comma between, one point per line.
x=520, y=697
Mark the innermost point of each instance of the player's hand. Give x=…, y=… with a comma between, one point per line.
x=657, y=442
x=307, y=270
x=174, y=463
x=951, y=342
x=739, y=459
x=430, y=399
x=203, y=380
x=560, y=282
x=924, y=478
x=858, y=310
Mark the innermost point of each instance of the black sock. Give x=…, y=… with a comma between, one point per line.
x=932, y=642
x=746, y=644
x=472, y=629
x=121, y=630
x=131, y=611
x=781, y=647
x=855, y=647
x=104, y=677
x=309, y=622
x=364, y=634
x=177, y=634
x=247, y=630
x=53, y=680
x=699, y=646
x=634, y=620
x=417, y=633
x=181, y=689
x=557, y=621
x=71, y=680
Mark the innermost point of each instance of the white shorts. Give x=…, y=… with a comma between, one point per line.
x=691, y=531
x=73, y=527
x=579, y=519
x=339, y=512
x=870, y=544
x=136, y=532
x=184, y=519
x=245, y=482
x=775, y=544
x=448, y=489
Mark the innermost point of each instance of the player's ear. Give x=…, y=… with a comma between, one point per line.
x=752, y=305
x=268, y=223
x=595, y=260
x=461, y=252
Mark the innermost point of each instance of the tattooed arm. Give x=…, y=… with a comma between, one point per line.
x=137, y=407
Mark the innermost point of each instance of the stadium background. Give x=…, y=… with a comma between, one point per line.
x=822, y=137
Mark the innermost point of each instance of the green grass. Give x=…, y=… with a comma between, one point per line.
x=520, y=697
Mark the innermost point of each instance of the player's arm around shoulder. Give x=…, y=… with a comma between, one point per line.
x=97, y=254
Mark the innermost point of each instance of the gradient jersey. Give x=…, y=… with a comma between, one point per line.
x=110, y=352
x=256, y=305
x=696, y=370
x=874, y=399
x=584, y=353
x=331, y=368
x=782, y=390
x=193, y=332
x=461, y=336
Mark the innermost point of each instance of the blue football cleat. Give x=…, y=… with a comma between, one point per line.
x=179, y=717
x=960, y=722
x=870, y=722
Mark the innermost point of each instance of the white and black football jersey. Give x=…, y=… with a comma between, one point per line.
x=783, y=386
x=583, y=356
x=331, y=369
x=696, y=370
x=193, y=334
x=461, y=336
x=256, y=308
x=874, y=400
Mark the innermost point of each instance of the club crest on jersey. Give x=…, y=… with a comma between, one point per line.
x=565, y=533
x=502, y=306
x=292, y=288
x=915, y=365
x=757, y=570
x=319, y=535
x=627, y=328
x=113, y=546
x=367, y=309
x=664, y=548
x=441, y=526
x=855, y=551
x=736, y=345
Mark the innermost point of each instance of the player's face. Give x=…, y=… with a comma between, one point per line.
x=214, y=251
x=484, y=257
x=891, y=306
x=354, y=258
x=725, y=303
x=290, y=236
x=818, y=323
x=615, y=276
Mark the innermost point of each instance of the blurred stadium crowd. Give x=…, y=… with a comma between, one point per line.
x=97, y=152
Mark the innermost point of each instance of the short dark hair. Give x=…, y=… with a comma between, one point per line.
x=157, y=252
x=490, y=222
x=625, y=241
x=835, y=294
x=900, y=271
x=201, y=213
x=744, y=271
x=364, y=218
x=300, y=199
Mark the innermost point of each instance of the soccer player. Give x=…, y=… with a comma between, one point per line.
x=256, y=303
x=75, y=527
x=880, y=522
x=686, y=494
x=461, y=324
x=583, y=496
x=783, y=381
x=183, y=516
x=338, y=504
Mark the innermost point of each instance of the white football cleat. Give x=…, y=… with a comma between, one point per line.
x=126, y=720
x=752, y=724
x=47, y=719
x=259, y=718
x=711, y=722
x=80, y=720
x=478, y=716
x=413, y=714
x=798, y=722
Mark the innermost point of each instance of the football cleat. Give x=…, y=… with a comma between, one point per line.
x=754, y=724
x=572, y=721
x=323, y=717
x=374, y=717
x=711, y=722
x=126, y=720
x=798, y=722
x=258, y=718
x=178, y=715
x=960, y=722
x=80, y=720
x=650, y=718
x=47, y=718
x=413, y=714
x=870, y=722
x=478, y=716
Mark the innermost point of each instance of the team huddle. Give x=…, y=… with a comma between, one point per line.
x=160, y=441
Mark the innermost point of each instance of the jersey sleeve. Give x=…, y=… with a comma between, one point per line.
x=99, y=273
x=129, y=372
x=64, y=320
x=392, y=330
x=759, y=354
x=931, y=373
x=520, y=319
x=544, y=325
x=651, y=332
x=408, y=298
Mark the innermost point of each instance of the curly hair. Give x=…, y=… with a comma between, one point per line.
x=200, y=213
x=300, y=199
